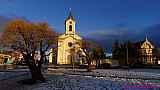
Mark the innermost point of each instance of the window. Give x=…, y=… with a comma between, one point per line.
x=70, y=27
x=70, y=22
x=70, y=44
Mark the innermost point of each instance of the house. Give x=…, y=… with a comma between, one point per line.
x=4, y=58
x=145, y=51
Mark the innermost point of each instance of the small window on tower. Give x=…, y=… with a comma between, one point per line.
x=70, y=27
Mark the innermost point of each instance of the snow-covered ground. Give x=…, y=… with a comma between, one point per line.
x=109, y=79
x=11, y=74
x=117, y=73
x=100, y=79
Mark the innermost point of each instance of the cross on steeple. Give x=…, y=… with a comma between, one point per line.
x=146, y=38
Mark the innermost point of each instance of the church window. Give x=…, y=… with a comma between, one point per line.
x=70, y=22
x=70, y=27
x=70, y=44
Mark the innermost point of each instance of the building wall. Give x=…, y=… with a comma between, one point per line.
x=67, y=54
x=4, y=58
x=146, y=53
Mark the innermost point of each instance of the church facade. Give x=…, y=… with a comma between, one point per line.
x=69, y=43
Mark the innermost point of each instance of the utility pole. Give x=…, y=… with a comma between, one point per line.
x=127, y=53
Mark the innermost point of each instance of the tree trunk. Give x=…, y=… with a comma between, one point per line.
x=35, y=68
x=96, y=63
x=36, y=72
x=99, y=64
x=89, y=69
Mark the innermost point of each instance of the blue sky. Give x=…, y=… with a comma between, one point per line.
x=94, y=17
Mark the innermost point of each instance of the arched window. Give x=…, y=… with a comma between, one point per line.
x=70, y=27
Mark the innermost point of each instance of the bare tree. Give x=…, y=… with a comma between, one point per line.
x=87, y=48
x=27, y=38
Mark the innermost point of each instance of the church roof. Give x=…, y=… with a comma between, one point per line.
x=74, y=36
x=70, y=16
x=140, y=43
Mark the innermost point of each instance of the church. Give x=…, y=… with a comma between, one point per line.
x=69, y=43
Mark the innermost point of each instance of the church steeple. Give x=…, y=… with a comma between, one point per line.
x=70, y=16
x=70, y=24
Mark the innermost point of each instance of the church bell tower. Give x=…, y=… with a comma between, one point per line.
x=70, y=24
x=67, y=42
